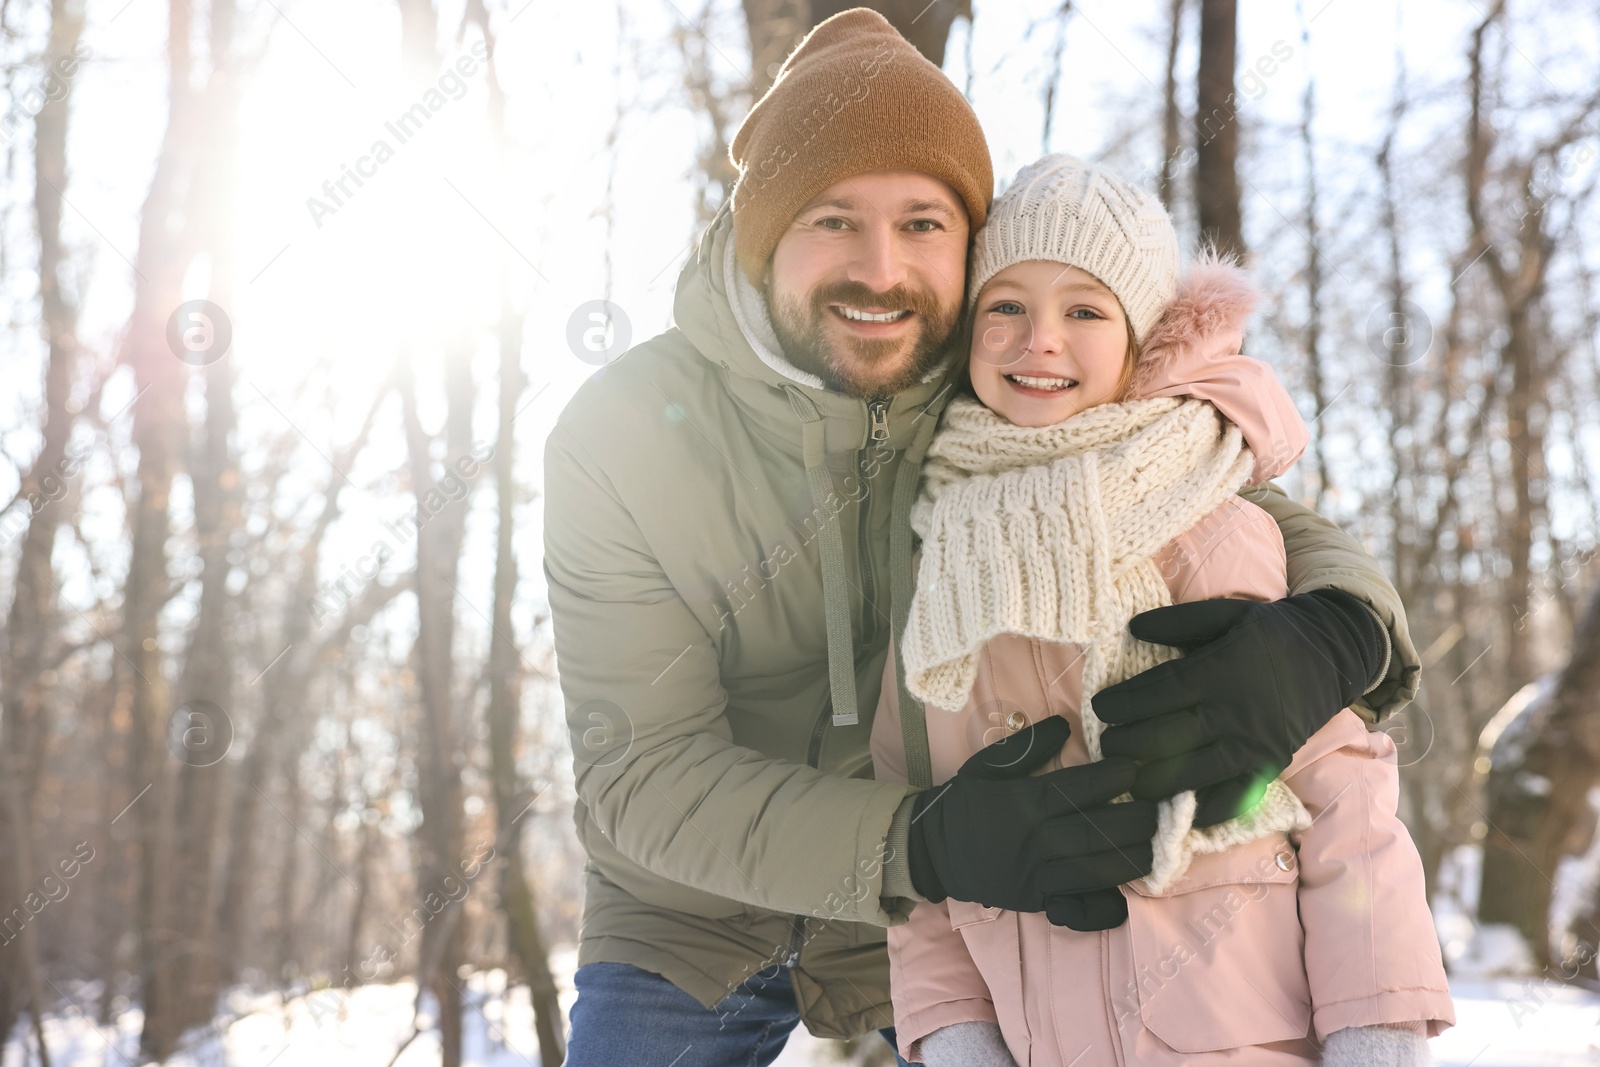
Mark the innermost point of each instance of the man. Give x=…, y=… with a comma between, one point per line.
x=728, y=552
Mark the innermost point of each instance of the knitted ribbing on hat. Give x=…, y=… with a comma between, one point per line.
x=1050, y=532
x=1063, y=210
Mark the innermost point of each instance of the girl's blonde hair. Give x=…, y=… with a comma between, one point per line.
x=1130, y=365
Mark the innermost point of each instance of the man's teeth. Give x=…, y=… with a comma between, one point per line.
x=867, y=316
x=1042, y=383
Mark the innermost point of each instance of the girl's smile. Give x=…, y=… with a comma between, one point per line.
x=1040, y=384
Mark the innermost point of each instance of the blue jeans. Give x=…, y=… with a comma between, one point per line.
x=628, y=1017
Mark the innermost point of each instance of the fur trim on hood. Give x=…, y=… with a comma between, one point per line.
x=1209, y=311
x=1193, y=350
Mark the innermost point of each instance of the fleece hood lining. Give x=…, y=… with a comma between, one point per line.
x=750, y=312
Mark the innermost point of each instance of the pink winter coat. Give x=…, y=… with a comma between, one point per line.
x=1259, y=952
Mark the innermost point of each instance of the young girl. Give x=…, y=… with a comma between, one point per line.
x=1088, y=478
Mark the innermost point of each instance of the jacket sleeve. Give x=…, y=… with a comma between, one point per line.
x=655, y=762
x=934, y=980
x=1322, y=556
x=1372, y=956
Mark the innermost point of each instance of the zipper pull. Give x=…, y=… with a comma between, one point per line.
x=878, y=410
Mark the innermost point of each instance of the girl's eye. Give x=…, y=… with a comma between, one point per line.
x=1007, y=307
x=1085, y=314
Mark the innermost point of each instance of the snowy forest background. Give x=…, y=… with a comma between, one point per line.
x=280, y=739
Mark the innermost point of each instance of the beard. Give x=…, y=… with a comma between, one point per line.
x=863, y=367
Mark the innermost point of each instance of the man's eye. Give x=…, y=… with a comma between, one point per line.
x=923, y=225
x=832, y=222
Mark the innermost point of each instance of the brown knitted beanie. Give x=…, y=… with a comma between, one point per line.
x=854, y=96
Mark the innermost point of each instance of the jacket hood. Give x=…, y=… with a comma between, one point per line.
x=726, y=317
x=1193, y=350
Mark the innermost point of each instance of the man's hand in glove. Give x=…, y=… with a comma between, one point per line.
x=1257, y=681
x=1002, y=837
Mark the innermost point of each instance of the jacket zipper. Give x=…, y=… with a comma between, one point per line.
x=878, y=418
x=878, y=414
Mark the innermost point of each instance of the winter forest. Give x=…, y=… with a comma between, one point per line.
x=283, y=766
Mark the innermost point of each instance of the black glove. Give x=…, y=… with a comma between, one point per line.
x=1257, y=681
x=1098, y=909
x=998, y=835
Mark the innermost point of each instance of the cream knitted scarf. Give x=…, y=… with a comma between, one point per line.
x=1049, y=532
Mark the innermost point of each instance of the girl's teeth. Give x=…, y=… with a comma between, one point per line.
x=865, y=316
x=1042, y=383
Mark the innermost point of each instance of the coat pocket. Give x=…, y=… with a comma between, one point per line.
x=1219, y=959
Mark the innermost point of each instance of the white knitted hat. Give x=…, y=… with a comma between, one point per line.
x=1063, y=210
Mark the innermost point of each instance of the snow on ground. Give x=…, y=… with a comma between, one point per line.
x=1520, y=1023
x=1501, y=1022
x=360, y=1027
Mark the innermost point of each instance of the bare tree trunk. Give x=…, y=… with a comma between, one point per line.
x=31, y=631
x=505, y=663
x=1516, y=883
x=286, y=947
x=192, y=969
x=352, y=946
x=111, y=902
x=926, y=25
x=1397, y=351
x=27, y=972
x=1524, y=430
x=189, y=970
x=1314, y=365
x=505, y=709
x=441, y=525
x=1171, y=113
x=159, y=424
x=1216, y=179
x=1565, y=754
x=1509, y=890
x=775, y=27
x=439, y=538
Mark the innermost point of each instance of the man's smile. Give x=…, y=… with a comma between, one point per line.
x=871, y=322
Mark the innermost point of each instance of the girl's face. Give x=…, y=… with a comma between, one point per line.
x=1048, y=341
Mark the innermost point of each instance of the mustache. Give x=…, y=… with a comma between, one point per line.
x=919, y=301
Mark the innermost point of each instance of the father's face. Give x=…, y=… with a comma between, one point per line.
x=865, y=286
